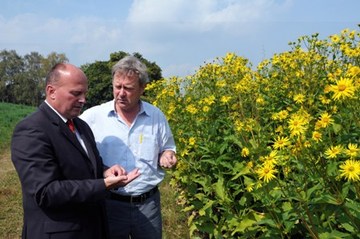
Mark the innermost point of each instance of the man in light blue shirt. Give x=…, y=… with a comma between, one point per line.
x=135, y=135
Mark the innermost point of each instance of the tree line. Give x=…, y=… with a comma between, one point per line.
x=22, y=78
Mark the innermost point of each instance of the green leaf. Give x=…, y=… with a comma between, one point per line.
x=334, y=235
x=247, y=221
x=243, y=171
x=286, y=206
x=202, y=211
x=219, y=189
x=354, y=207
x=336, y=127
x=348, y=227
x=189, y=208
x=310, y=191
x=345, y=189
x=326, y=198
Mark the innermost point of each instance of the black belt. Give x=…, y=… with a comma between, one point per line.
x=134, y=199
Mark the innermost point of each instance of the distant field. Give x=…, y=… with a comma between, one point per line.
x=10, y=114
x=10, y=191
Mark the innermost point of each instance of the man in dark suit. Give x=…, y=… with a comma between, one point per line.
x=64, y=182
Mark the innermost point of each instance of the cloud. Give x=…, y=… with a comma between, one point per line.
x=201, y=15
x=85, y=38
x=187, y=31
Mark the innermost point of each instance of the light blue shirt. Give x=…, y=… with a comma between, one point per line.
x=135, y=146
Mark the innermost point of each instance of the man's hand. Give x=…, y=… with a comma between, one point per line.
x=116, y=176
x=167, y=159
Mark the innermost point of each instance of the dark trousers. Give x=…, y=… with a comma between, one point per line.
x=135, y=220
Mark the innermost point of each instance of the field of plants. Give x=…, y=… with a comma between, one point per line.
x=271, y=151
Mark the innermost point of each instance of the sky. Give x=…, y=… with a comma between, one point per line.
x=178, y=35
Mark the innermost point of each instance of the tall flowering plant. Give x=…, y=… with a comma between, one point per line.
x=272, y=152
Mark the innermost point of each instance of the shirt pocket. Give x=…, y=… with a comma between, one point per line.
x=148, y=149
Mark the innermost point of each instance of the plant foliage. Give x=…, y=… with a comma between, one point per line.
x=271, y=152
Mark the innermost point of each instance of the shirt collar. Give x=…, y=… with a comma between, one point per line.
x=63, y=118
x=110, y=108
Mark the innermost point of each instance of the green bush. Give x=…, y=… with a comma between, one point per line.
x=271, y=152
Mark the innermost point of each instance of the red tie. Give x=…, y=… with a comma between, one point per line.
x=71, y=125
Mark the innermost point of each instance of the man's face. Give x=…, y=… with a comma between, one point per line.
x=127, y=92
x=68, y=95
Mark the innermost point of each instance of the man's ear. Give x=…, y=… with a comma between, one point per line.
x=51, y=91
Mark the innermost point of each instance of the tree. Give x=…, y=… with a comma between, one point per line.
x=11, y=68
x=53, y=58
x=32, y=79
x=22, y=79
x=100, y=88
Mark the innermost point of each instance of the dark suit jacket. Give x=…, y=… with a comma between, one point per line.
x=63, y=187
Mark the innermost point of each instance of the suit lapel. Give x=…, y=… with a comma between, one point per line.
x=63, y=128
x=90, y=152
x=71, y=137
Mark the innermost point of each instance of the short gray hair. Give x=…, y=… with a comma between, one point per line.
x=130, y=66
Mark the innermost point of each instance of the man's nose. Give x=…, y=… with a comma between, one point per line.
x=122, y=91
x=82, y=99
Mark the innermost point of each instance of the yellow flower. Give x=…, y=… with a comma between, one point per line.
x=325, y=120
x=192, y=141
x=344, y=88
x=225, y=99
x=335, y=38
x=266, y=173
x=307, y=144
x=324, y=100
x=316, y=135
x=209, y=100
x=170, y=110
x=354, y=71
x=299, y=98
x=281, y=142
x=184, y=152
x=333, y=151
x=238, y=125
x=275, y=116
x=270, y=159
x=221, y=83
x=286, y=170
x=280, y=115
x=245, y=152
x=250, y=187
x=283, y=114
x=260, y=100
x=297, y=125
x=250, y=165
x=350, y=170
x=206, y=108
x=250, y=124
x=352, y=150
x=279, y=129
x=191, y=108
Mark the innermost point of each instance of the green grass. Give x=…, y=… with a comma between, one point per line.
x=10, y=114
x=174, y=221
x=10, y=191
